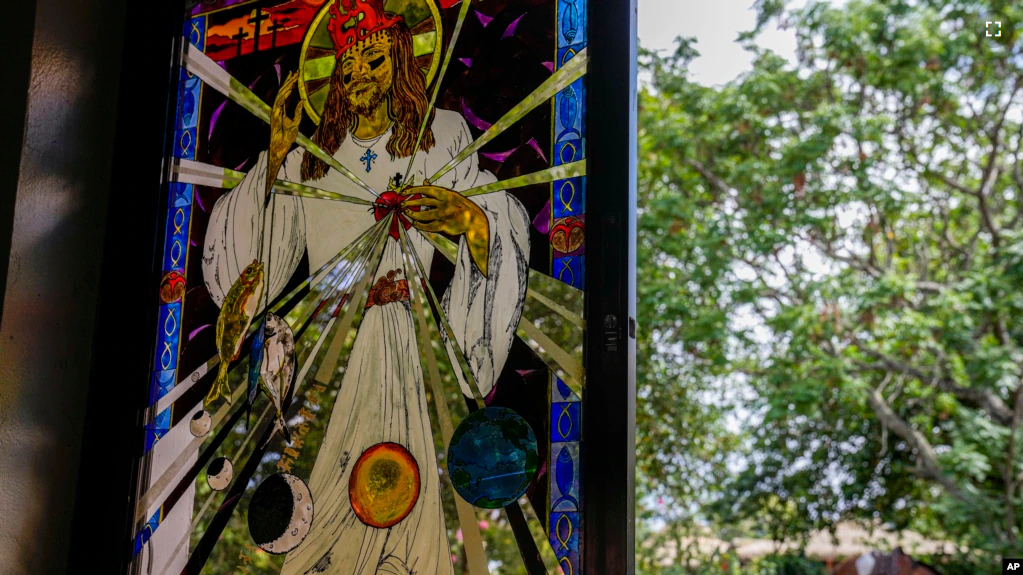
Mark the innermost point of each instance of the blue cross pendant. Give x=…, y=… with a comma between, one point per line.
x=368, y=158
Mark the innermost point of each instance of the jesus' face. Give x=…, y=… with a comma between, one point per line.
x=367, y=73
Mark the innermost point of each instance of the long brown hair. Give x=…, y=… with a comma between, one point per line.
x=406, y=104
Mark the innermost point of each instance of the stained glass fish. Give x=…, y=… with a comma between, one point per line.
x=233, y=323
x=255, y=363
x=277, y=368
x=564, y=475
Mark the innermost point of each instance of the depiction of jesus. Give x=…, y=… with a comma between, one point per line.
x=376, y=105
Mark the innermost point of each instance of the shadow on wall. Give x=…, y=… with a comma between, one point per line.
x=51, y=290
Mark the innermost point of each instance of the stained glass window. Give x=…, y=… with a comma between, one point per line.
x=368, y=354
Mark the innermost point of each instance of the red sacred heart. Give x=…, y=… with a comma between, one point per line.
x=568, y=234
x=389, y=203
x=172, y=287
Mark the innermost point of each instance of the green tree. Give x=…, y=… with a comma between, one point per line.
x=831, y=255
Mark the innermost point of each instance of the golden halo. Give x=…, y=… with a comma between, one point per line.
x=317, y=59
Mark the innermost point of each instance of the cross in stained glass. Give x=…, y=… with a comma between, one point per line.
x=273, y=28
x=368, y=158
x=240, y=37
x=257, y=20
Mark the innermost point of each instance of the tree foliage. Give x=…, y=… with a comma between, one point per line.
x=831, y=279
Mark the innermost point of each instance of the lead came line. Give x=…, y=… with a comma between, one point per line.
x=563, y=78
x=562, y=172
x=567, y=368
x=313, y=280
x=159, y=491
x=438, y=80
x=220, y=80
x=472, y=540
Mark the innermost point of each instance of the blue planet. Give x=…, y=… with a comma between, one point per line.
x=493, y=457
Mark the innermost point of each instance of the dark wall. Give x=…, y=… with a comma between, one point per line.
x=57, y=182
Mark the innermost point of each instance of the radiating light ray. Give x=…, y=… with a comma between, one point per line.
x=447, y=334
x=202, y=174
x=560, y=361
x=519, y=520
x=445, y=246
x=564, y=365
x=203, y=180
x=185, y=167
x=209, y=500
x=472, y=540
x=571, y=298
x=174, y=394
x=562, y=172
x=325, y=371
x=330, y=306
x=160, y=490
x=556, y=307
x=540, y=536
x=537, y=281
x=438, y=80
x=175, y=470
x=220, y=80
x=540, y=283
x=558, y=81
x=178, y=390
x=286, y=188
x=343, y=263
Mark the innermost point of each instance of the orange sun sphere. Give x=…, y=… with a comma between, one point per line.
x=384, y=486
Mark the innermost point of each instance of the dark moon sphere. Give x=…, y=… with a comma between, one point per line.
x=270, y=510
x=219, y=473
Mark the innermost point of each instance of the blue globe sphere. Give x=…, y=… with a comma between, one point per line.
x=493, y=457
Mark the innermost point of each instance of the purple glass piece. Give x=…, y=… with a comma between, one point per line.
x=196, y=331
x=532, y=143
x=510, y=30
x=542, y=223
x=220, y=108
x=473, y=119
x=499, y=156
x=484, y=19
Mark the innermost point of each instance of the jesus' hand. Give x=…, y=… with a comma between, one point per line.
x=445, y=211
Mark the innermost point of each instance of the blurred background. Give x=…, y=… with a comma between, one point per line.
x=830, y=265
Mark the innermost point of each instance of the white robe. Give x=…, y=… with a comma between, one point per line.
x=381, y=398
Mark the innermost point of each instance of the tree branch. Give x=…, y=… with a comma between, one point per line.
x=991, y=172
x=850, y=260
x=927, y=460
x=1010, y=466
x=952, y=183
x=720, y=185
x=983, y=399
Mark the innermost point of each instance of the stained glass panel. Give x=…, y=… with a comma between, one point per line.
x=368, y=356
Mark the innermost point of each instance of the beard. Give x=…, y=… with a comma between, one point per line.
x=364, y=99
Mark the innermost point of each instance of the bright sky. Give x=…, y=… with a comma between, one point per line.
x=715, y=24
